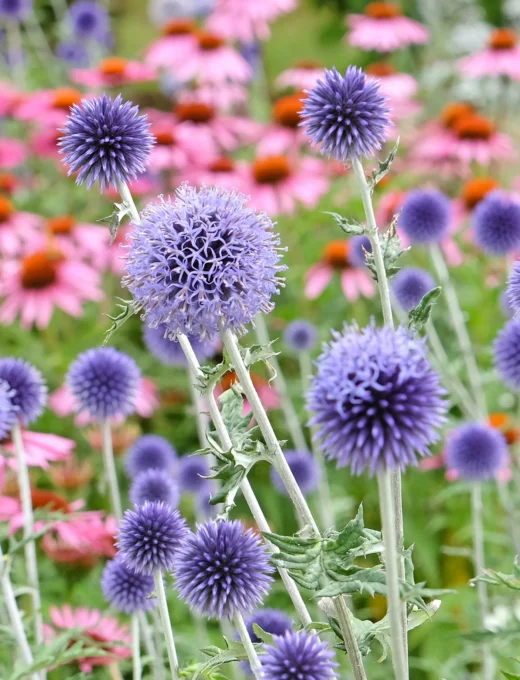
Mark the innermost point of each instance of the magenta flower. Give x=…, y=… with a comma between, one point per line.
x=384, y=29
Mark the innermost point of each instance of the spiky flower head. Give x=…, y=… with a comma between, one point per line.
x=150, y=536
x=89, y=19
x=15, y=10
x=104, y=382
x=505, y=304
x=222, y=569
x=193, y=471
x=154, y=485
x=513, y=287
x=169, y=351
x=299, y=656
x=7, y=409
x=377, y=402
x=358, y=247
x=28, y=392
x=203, y=261
x=347, y=116
x=300, y=336
x=273, y=621
x=304, y=468
x=507, y=353
x=496, y=224
x=106, y=140
x=410, y=285
x=125, y=589
x=476, y=452
x=425, y=216
x=150, y=452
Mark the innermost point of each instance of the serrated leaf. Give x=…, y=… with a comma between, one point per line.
x=350, y=227
x=262, y=635
x=414, y=593
x=418, y=316
x=234, y=651
x=383, y=168
x=211, y=375
x=255, y=353
x=498, y=578
x=128, y=309
x=391, y=249
x=115, y=218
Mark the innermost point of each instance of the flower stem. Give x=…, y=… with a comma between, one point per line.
x=166, y=625
x=254, y=661
x=126, y=196
x=349, y=638
x=136, y=649
x=151, y=649
x=110, y=470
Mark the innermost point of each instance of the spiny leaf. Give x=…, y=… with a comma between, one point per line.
x=211, y=375
x=383, y=168
x=350, y=227
x=262, y=635
x=115, y=218
x=128, y=309
x=497, y=578
x=418, y=317
x=391, y=249
x=234, y=651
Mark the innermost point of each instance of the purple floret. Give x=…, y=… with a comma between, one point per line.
x=27, y=388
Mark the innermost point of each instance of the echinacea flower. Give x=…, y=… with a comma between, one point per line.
x=193, y=475
x=72, y=475
x=48, y=107
x=383, y=28
x=15, y=10
x=513, y=287
x=150, y=452
x=40, y=449
x=17, y=229
x=284, y=135
x=170, y=353
x=155, y=487
x=13, y=153
x=300, y=336
x=410, y=285
x=299, y=656
x=425, y=216
x=177, y=35
x=302, y=76
x=80, y=241
x=7, y=409
x=501, y=57
x=28, y=391
x=89, y=19
x=496, y=224
x=113, y=72
x=176, y=148
x=375, y=399
x=247, y=22
x=222, y=570
x=104, y=383
x=355, y=279
x=222, y=266
x=477, y=139
x=507, y=353
x=83, y=541
x=346, y=116
x=106, y=140
x=125, y=589
x=305, y=471
x=476, y=452
x=398, y=88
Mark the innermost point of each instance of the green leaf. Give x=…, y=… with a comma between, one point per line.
x=510, y=676
x=383, y=168
x=234, y=651
x=115, y=218
x=414, y=593
x=391, y=249
x=211, y=375
x=420, y=314
x=350, y=227
x=255, y=353
x=128, y=309
x=497, y=578
x=262, y=635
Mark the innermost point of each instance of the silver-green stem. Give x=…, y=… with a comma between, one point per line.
x=110, y=469
x=126, y=196
x=151, y=649
x=349, y=638
x=254, y=661
x=166, y=624
x=136, y=649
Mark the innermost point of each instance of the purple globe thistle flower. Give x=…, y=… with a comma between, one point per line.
x=28, y=389
x=513, y=287
x=154, y=486
x=125, y=589
x=475, y=452
x=169, y=351
x=150, y=452
x=105, y=140
x=299, y=656
x=300, y=336
x=72, y=53
x=104, y=383
x=7, y=410
x=346, y=115
x=507, y=353
x=89, y=19
x=192, y=473
x=358, y=245
x=496, y=224
x=425, y=216
x=222, y=569
x=305, y=470
x=203, y=261
x=505, y=304
x=410, y=285
x=150, y=536
x=376, y=400
x=15, y=10
x=273, y=621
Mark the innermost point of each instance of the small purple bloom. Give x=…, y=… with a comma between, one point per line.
x=169, y=351
x=513, y=288
x=476, y=452
x=299, y=656
x=104, y=382
x=154, y=486
x=106, y=140
x=222, y=569
x=425, y=216
x=28, y=390
x=150, y=536
x=300, y=336
x=192, y=471
x=358, y=246
x=150, y=452
x=305, y=470
x=346, y=115
x=89, y=19
x=15, y=10
x=7, y=410
x=273, y=621
x=376, y=400
x=203, y=261
x=496, y=224
x=507, y=353
x=125, y=589
x=72, y=53
x=505, y=305
x=410, y=285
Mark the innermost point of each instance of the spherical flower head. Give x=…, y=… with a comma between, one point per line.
x=203, y=261
x=28, y=389
x=496, y=224
x=7, y=410
x=507, y=353
x=15, y=10
x=475, y=452
x=505, y=305
x=376, y=400
x=273, y=621
x=513, y=287
x=89, y=19
x=150, y=452
x=222, y=570
x=299, y=656
x=300, y=336
x=425, y=216
x=169, y=351
x=154, y=485
x=347, y=116
x=104, y=383
x=410, y=285
x=106, y=140
x=150, y=536
x=192, y=473
x=72, y=53
x=125, y=589
x=359, y=246
x=304, y=468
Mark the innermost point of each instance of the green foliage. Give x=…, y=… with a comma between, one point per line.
x=497, y=578
x=233, y=651
x=383, y=168
x=419, y=316
x=391, y=250
x=350, y=227
x=128, y=309
x=122, y=210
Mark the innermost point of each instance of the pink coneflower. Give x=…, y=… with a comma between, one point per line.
x=44, y=144
x=48, y=107
x=35, y=284
x=355, y=280
x=9, y=98
x=268, y=394
x=472, y=193
x=9, y=183
x=113, y=72
x=72, y=475
x=13, y=153
x=302, y=76
x=222, y=172
x=82, y=540
x=285, y=134
x=383, y=28
x=223, y=96
x=276, y=184
x=41, y=449
x=79, y=241
x=399, y=88
x=177, y=148
x=500, y=58
x=249, y=21
x=93, y=624
x=477, y=139
x=178, y=35
x=17, y=229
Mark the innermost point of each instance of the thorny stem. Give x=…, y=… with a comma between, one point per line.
x=254, y=661
x=136, y=649
x=349, y=638
x=110, y=470
x=166, y=624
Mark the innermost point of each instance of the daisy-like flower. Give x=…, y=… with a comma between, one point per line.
x=337, y=256
x=17, y=229
x=222, y=172
x=113, y=72
x=72, y=475
x=501, y=57
x=9, y=98
x=48, y=107
x=302, y=76
x=299, y=656
x=477, y=139
x=84, y=540
x=398, y=88
x=40, y=449
x=78, y=240
x=247, y=22
x=126, y=590
x=13, y=153
x=178, y=35
x=383, y=28
x=472, y=193
x=285, y=133
x=37, y=283
x=475, y=452
x=176, y=148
